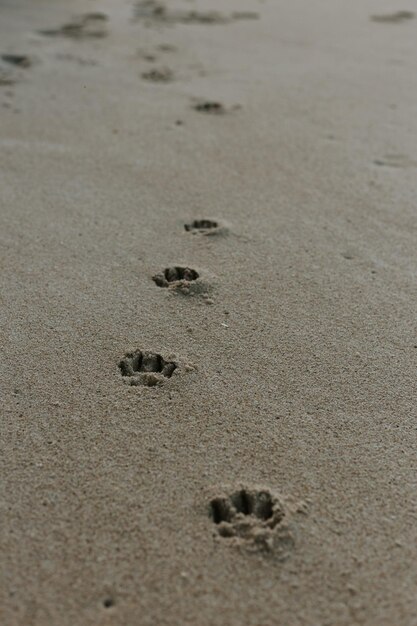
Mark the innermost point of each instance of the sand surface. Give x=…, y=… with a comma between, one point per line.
x=295, y=350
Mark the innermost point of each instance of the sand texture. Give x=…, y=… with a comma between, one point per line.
x=208, y=252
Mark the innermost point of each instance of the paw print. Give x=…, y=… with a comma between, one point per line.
x=206, y=227
x=255, y=518
x=173, y=276
x=88, y=26
x=146, y=368
x=211, y=107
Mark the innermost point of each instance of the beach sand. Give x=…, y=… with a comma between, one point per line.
x=259, y=160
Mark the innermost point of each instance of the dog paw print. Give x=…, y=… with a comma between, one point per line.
x=87, y=26
x=159, y=75
x=395, y=160
x=214, y=107
x=254, y=518
x=205, y=227
x=210, y=106
x=186, y=281
x=18, y=60
x=394, y=18
x=146, y=368
x=177, y=277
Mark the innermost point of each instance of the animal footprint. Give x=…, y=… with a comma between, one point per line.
x=394, y=18
x=205, y=227
x=167, y=47
x=175, y=276
x=158, y=12
x=255, y=518
x=146, y=368
x=88, y=26
x=18, y=60
x=396, y=160
x=197, y=17
x=200, y=226
x=159, y=75
x=150, y=9
x=210, y=106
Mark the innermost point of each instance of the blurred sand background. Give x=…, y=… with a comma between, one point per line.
x=296, y=367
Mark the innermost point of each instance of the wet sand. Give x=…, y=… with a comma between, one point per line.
x=208, y=329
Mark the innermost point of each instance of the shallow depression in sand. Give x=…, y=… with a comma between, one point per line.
x=174, y=275
x=259, y=504
x=254, y=518
x=146, y=368
x=202, y=226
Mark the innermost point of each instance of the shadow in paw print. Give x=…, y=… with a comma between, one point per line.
x=395, y=160
x=146, y=368
x=185, y=281
x=155, y=11
x=175, y=276
x=151, y=9
x=88, y=26
x=213, y=107
x=394, y=18
x=159, y=75
x=259, y=504
x=206, y=227
x=252, y=517
x=200, y=225
x=19, y=60
x=197, y=17
x=210, y=106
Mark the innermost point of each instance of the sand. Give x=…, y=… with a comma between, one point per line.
x=266, y=476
